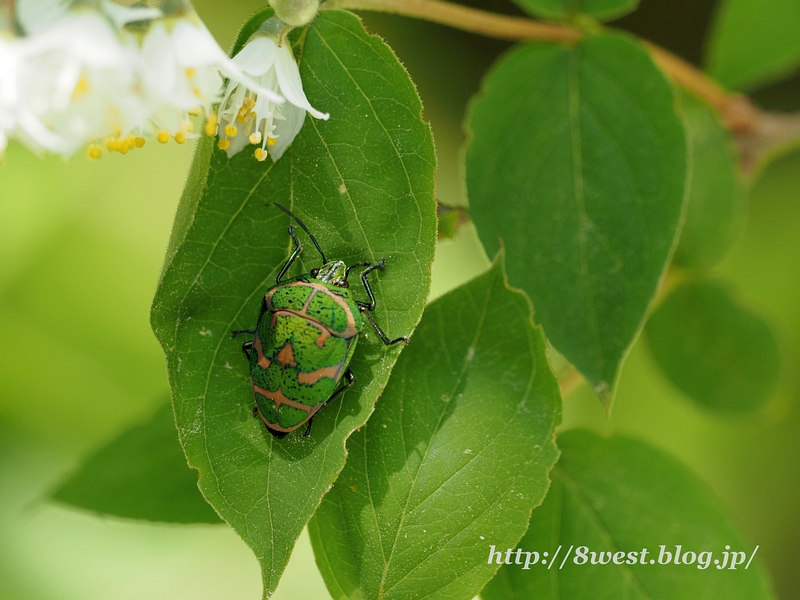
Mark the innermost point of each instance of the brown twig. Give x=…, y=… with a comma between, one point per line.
x=465, y=18
x=6, y=12
x=775, y=131
x=737, y=111
x=757, y=133
x=569, y=380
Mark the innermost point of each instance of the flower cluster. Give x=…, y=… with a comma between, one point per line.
x=98, y=74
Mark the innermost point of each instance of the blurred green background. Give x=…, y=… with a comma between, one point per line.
x=81, y=245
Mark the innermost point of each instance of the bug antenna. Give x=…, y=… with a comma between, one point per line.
x=303, y=225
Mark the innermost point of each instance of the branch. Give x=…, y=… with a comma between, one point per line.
x=468, y=19
x=736, y=111
x=6, y=13
x=740, y=115
x=569, y=380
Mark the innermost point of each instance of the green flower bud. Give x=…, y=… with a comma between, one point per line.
x=295, y=12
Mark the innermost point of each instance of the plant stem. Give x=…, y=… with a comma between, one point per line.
x=569, y=380
x=6, y=11
x=740, y=115
x=462, y=17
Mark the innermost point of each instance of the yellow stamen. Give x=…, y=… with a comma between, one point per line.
x=261, y=155
x=271, y=141
x=247, y=104
x=180, y=137
x=231, y=131
x=94, y=152
x=195, y=112
x=224, y=144
x=190, y=72
x=163, y=137
x=211, y=125
x=255, y=138
x=139, y=141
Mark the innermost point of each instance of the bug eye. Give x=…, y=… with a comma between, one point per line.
x=314, y=272
x=343, y=283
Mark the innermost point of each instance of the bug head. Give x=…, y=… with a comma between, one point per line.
x=333, y=272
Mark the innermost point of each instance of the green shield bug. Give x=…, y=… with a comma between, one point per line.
x=304, y=338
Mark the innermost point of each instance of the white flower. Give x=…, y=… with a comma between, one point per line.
x=75, y=78
x=81, y=75
x=181, y=66
x=35, y=15
x=8, y=120
x=18, y=118
x=249, y=116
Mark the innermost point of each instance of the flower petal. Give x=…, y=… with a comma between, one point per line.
x=257, y=56
x=195, y=46
x=38, y=133
x=35, y=15
x=231, y=70
x=122, y=15
x=290, y=83
x=287, y=130
x=159, y=65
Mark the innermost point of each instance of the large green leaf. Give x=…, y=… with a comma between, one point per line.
x=578, y=161
x=363, y=183
x=716, y=351
x=142, y=474
x=563, y=9
x=754, y=42
x=621, y=496
x=716, y=206
x=454, y=458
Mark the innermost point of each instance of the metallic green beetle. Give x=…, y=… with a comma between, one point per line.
x=304, y=338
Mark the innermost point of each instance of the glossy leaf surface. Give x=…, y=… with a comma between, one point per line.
x=363, y=184
x=578, y=162
x=454, y=458
x=617, y=495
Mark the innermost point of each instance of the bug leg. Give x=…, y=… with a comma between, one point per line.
x=298, y=248
x=351, y=267
x=350, y=381
x=255, y=412
x=236, y=332
x=247, y=345
x=365, y=282
x=384, y=338
x=366, y=307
